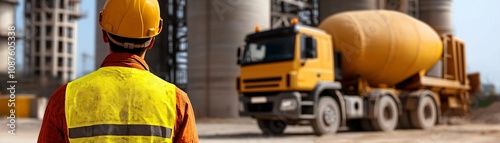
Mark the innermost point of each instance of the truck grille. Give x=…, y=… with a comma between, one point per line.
x=262, y=82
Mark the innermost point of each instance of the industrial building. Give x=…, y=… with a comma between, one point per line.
x=51, y=33
x=7, y=16
x=205, y=55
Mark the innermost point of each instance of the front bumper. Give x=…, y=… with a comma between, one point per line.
x=269, y=106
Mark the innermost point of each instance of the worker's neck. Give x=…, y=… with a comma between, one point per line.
x=141, y=55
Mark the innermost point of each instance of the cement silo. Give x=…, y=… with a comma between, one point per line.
x=436, y=13
x=330, y=7
x=216, y=29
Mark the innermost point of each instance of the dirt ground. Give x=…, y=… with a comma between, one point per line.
x=490, y=115
x=245, y=130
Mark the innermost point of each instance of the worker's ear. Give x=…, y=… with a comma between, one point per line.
x=151, y=44
x=105, y=36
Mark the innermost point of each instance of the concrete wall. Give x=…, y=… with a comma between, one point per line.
x=216, y=29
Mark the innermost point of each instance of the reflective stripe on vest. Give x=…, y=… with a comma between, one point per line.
x=119, y=104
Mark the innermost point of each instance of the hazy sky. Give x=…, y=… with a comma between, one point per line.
x=477, y=22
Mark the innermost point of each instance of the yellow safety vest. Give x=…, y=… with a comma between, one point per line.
x=120, y=104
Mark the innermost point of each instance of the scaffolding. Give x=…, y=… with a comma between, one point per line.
x=173, y=43
x=282, y=11
x=409, y=7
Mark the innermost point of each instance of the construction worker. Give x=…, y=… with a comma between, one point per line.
x=121, y=101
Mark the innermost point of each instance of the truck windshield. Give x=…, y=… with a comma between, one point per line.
x=269, y=50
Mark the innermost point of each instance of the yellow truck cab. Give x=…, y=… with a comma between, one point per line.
x=288, y=59
x=280, y=68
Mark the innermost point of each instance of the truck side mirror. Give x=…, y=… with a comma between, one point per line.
x=238, y=54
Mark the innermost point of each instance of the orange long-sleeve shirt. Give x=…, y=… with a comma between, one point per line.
x=55, y=130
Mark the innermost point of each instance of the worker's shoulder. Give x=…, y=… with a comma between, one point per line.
x=182, y=96
x=153, y=76
x=179, y=91
x=60, y=92
x=56, y=102
x=87, y=77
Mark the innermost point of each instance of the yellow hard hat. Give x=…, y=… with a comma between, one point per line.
x=131, y=18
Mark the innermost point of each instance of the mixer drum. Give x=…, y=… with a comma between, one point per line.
x=383, y=47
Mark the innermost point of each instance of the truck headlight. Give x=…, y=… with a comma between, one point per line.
x=288, y=104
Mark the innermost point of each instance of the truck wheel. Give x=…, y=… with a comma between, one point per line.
x=425, y=115
x=271, y=127
x=327, y=116
x=387, y=118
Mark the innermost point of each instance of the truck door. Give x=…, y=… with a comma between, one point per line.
x=309, y=72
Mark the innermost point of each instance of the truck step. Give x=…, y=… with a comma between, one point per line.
x=307, y=103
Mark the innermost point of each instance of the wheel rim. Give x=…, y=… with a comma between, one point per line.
x=328, y=116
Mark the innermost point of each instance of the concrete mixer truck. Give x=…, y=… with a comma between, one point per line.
x=368, y=70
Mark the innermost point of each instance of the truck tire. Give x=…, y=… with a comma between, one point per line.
x=425, y=115
x=271, y=127
x=387, y=118
x=327, y=116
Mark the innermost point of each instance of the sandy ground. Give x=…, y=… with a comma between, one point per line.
x=246, y=131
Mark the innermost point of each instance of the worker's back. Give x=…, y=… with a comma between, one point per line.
x=122, y=101
x=114, y=101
